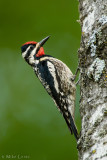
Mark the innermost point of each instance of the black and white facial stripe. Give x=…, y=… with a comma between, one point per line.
x=27, y=50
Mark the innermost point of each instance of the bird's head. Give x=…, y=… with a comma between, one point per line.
x=31, y=50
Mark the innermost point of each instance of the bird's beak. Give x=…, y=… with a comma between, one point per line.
x=43, y=41
x=40, y=44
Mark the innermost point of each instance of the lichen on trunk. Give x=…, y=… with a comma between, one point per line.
x=93, y=82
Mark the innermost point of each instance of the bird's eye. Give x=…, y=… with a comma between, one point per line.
x=31, y=47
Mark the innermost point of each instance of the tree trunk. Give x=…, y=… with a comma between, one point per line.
x=92, y=144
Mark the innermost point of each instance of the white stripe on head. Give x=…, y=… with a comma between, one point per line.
x=31, y=56
x=24, y=53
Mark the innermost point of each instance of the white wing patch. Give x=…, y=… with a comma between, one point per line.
x=52, y=72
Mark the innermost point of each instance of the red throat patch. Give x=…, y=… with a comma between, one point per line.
x=40, y=52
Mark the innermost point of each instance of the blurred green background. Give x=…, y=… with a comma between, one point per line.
x=30, y=125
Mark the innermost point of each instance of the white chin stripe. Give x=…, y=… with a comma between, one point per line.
x=24, y=54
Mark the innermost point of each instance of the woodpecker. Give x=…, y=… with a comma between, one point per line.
x=56, y=78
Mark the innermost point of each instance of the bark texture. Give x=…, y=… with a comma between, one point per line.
x=92, y=144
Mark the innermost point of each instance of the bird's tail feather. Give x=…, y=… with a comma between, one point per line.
x=71, y=126
x=74, y=129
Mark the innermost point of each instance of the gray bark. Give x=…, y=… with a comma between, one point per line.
x=92, y=144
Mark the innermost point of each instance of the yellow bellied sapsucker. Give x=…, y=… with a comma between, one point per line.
x=56, y=78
